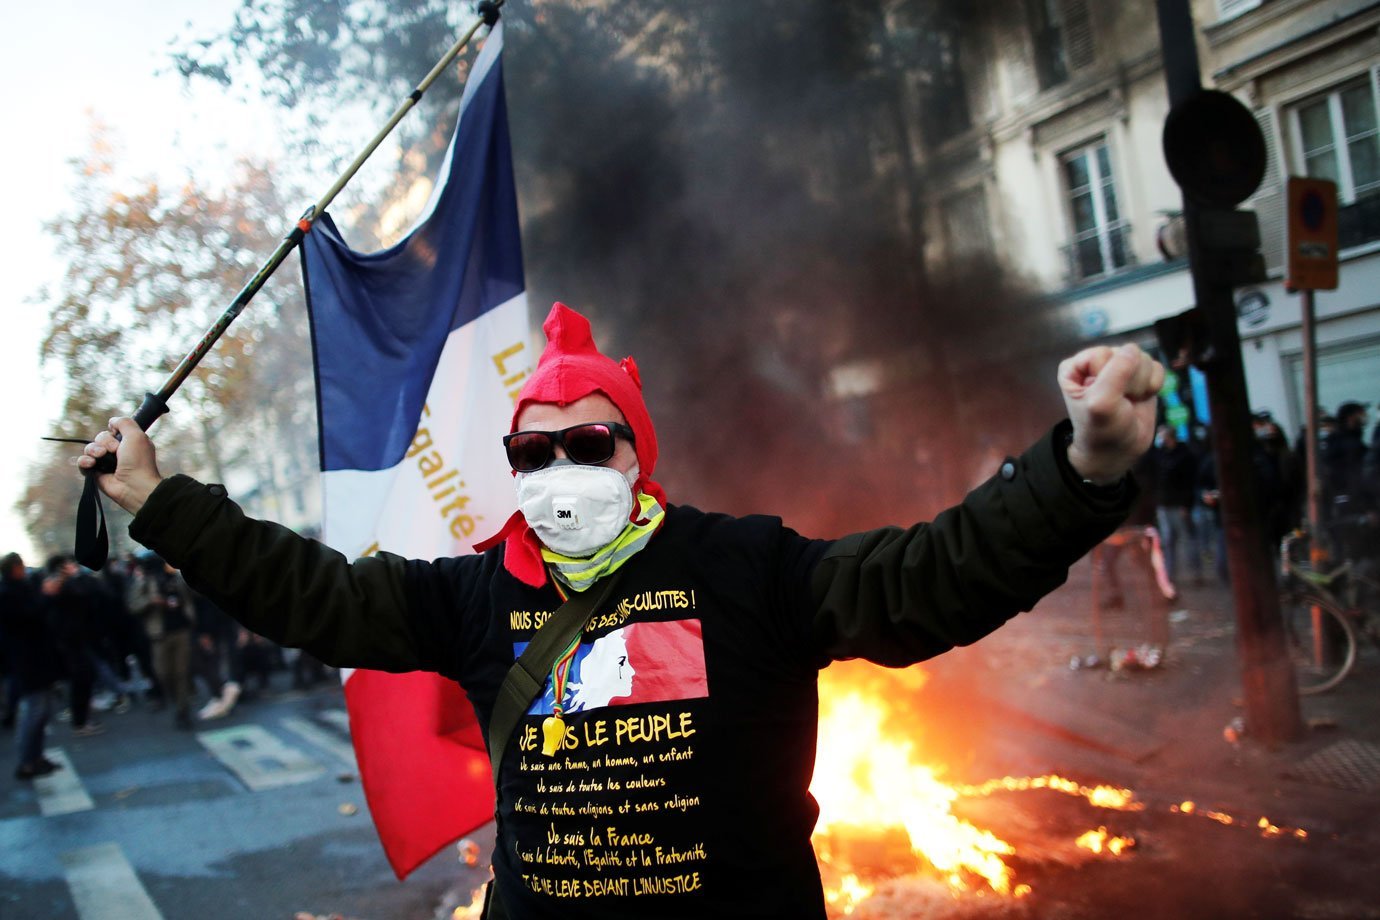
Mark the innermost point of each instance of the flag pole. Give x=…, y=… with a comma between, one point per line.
x=156, y=404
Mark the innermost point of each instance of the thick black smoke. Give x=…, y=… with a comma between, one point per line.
x=728, y=190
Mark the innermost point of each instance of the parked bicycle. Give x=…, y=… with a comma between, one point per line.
x=1326, y=614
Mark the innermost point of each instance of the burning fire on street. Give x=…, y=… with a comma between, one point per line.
x=888, y=834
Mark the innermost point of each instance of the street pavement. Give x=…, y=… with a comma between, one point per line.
x=1228, y=826
x=258, y=815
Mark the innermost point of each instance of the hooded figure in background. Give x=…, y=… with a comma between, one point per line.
x=679, y=787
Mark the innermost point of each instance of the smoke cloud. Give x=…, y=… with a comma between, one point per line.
x=730, y=191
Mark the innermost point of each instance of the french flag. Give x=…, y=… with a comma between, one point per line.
x=420, y=350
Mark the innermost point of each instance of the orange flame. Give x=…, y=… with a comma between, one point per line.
x=873, y=792
x=867, y=776
x=1100, y=841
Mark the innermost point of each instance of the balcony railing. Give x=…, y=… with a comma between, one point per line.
x=1098, y=254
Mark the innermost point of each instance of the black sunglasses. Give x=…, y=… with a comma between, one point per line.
x=590, y=443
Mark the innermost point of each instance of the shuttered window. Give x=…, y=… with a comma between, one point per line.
x=967, y=230
x=1230, y=9
x=1062, y=34
x=1269, y=201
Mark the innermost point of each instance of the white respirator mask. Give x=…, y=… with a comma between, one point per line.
x=576, y=509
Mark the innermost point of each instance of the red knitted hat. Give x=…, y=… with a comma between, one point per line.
x=571, y=367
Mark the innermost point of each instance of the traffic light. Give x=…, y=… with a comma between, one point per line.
x=1216, y=153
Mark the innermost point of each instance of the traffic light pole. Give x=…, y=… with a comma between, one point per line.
x=1269, y=691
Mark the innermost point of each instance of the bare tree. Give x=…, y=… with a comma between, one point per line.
x=148, y=269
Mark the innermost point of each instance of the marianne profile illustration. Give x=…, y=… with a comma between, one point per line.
x=605, y=673
x=637, y=663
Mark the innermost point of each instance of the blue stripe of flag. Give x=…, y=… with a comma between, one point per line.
x=380, y=320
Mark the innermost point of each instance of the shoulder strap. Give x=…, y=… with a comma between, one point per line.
x=528, y=674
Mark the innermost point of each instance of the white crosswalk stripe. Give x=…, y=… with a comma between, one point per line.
x=259, y=758
x=61, y=792
x=337, y=717
x=104, y=885
x=326, y=740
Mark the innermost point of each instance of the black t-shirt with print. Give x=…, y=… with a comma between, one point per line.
x=691, y=712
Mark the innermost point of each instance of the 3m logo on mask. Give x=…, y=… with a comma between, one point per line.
x=566, y=512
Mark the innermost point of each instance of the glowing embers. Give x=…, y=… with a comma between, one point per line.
x=1263, y=824
x=1099, y=841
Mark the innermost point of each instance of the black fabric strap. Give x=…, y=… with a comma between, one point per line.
x=92, y=542
x=528, y=674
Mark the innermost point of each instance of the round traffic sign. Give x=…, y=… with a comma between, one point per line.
x=1214, y=149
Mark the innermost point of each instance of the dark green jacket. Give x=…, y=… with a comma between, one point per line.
x=683, y=788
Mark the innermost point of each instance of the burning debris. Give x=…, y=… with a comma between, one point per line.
x=887, y=820
x=897, y=839
x=1264, y=825
x=1100, y=841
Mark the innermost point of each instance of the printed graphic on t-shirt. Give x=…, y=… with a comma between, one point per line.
x=637, y=663
x=617, y=809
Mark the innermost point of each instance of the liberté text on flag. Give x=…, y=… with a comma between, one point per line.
x=419, y=351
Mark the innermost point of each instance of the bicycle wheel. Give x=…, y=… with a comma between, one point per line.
x=1317, y=670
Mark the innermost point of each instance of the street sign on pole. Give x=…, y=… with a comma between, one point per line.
x=1312, y=235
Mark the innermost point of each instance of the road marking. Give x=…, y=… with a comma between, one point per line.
x=104, y=884
x=337, y=717
x=258, y=758
x=327, y=741
x=61, y=792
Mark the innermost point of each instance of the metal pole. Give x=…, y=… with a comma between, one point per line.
x=1323, y=646
x=1310, y=420
x=1267, y=675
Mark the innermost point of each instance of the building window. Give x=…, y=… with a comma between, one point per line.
x=1099, y=245
x=1062, y=34
x=944, y=95
x=1337, y=139
x=967, y=233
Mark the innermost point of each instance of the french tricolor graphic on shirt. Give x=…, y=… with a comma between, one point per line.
x=420, y=349
x=637, y=663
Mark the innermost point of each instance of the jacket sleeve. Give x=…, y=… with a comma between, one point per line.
x=898, y=596
x=293, y=590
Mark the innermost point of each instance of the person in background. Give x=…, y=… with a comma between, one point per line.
x=1350, y=504
x=1175, y=475
x=32, y=654
x=214, y=632
x=160, y=597
x=72, y=613
x=1281, y=510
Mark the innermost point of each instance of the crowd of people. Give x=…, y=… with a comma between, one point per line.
x=74, y=643
x=1178, y=517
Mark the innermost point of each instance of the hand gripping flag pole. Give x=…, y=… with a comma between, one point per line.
x=92, y=541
